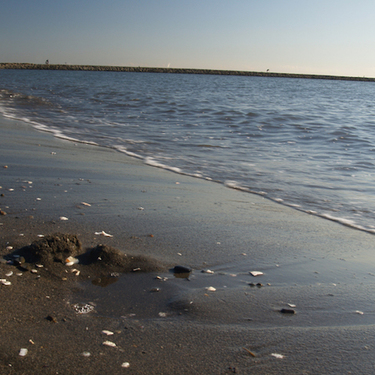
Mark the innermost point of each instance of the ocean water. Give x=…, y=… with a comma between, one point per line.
x=309, y=144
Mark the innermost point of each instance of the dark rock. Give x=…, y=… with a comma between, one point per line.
x=181, y=269
x=287, y=311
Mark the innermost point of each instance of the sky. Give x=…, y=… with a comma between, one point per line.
x=334, y=37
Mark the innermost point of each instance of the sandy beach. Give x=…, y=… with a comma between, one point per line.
x=312, y=314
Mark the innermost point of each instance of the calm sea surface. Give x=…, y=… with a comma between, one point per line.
x=305, y=143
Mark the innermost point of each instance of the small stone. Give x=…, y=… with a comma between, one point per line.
x=51, y=319
x=86, y=354
x=125, y=365
x=287, y=311
x=155, y=290
x=181, y=269
x=3, y=213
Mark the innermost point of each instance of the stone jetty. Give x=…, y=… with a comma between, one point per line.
x=105, y=68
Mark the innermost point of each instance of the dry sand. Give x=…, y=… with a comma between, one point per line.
x=171, y=325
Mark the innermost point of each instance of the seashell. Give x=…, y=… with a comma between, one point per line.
x=70, y=261
x=208, y=271
x=86, y=354
x=9, y=248
x=359, y=312
x=211, y=289
x=86, y=204
x=109, y=343
x=256, y=273
x=39, y=265
x=140, y=208
x=40, y=235
x=63, y=218
x=291, y=305
x=76, y=272
x=276, y=355
x=102, y=233
x=162, y=314
x=10, y=273
x=108, y=333
x=125, y=365
x=23, y=352
x=34, y=271
x=5, y=282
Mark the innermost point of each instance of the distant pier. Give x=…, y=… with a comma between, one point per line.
x=105, y=68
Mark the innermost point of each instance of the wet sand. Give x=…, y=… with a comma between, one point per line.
x=169, y=324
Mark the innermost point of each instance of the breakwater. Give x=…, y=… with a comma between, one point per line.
x=107, y=68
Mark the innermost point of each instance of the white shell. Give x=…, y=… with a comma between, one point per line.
x=70, y=261
x=211, y=289
x=10, y=273
x=102, y=233
x=125, y=365
x=108, y=333
x=109, y=343
x=280, y=356
x=63, y=218
x=256, y=273
x=23, y=352
x=86, y=354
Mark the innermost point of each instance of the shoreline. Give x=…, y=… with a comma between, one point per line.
x=107, y=68
x=323, y=268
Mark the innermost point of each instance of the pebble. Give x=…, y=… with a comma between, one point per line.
x=181, y=269
x=86, y=354
x=287, y=311
x=125, y=365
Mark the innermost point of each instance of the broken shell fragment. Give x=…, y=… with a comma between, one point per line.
x=125, y=365
x=211, y=289
x=70, y=261
x=256, y=273
x=23, y=352
x=63, y=218
x=106, y=332
x=276, y=355
x=208, y=271
x=86, y=204
x=102, y=233
x=109, y=343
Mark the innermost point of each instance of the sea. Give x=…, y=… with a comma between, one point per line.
x=305, y=143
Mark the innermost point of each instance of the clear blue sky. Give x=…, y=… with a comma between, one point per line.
x=293, y=36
